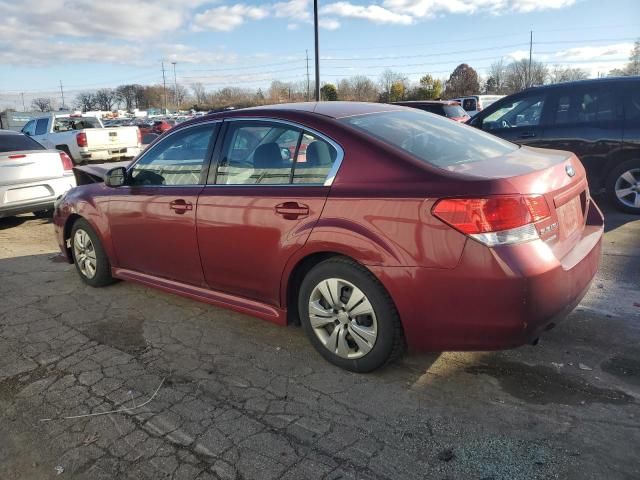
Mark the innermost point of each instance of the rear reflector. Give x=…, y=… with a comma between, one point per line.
x=139, y=135
x=494, y=220
x=12, y=157
x=67, y=163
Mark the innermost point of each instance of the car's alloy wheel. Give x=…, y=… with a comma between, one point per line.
x=627, y=188
x=84, y=253
x=349, y=316
x=343, y=318
x=89, y=256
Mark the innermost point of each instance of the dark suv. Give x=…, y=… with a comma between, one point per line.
x=598, y=120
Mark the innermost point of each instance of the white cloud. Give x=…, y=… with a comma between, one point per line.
x=373, y=13
x=297, y=10
x=226, y=18
x=595, y=52
x=329, y=23
x=432, y=8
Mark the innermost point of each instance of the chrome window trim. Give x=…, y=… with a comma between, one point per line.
x=331, y=175
x=172, y=132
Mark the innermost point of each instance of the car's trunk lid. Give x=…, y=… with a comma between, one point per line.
x=557, y=175
x=29, y=166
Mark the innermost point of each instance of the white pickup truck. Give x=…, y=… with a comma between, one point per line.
x=84, y=139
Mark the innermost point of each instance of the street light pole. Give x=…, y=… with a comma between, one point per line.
x=175, y=85
x=315, y=27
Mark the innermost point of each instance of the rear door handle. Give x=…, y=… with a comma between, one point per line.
x=527, y=134
x=292, y=210
x=180, y=206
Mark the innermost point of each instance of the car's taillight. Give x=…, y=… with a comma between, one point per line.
x=139, y=133
x=81, y=139
x=495, y=220
x=67, y=163
x=13, y=157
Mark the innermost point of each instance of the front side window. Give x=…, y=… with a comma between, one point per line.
x=41, y=126
x=585, y=107
x=262, y=153
x=433, y=139
x=522, y=112
x=177, y=160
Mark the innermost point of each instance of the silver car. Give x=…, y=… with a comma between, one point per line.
x=31, y=177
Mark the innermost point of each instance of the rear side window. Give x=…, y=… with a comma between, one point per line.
x=585, y=106
x=263, y=153
x=41, y=126
x=435, y=140
x=17, y=142
x=469, y=104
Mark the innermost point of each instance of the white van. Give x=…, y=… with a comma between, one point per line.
x=474, y=103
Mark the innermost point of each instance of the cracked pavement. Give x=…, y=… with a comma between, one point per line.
x=238, y=398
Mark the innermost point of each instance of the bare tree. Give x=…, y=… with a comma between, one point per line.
x=199, y=93
x=106, y=98
x=558, y=74
x=519, y=76
x=496, y=77
x=126, y=94
x=42, y=104
x=387, y=79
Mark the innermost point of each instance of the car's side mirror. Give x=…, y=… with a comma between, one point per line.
x=116, y=177
x=27, y=134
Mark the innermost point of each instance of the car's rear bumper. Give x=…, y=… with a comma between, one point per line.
x=495, y=297
x=109, y=154
x=33, y=196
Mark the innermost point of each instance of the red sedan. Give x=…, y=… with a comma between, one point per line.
x=399, y=229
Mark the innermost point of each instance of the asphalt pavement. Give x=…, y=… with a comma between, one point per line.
x=199, y=392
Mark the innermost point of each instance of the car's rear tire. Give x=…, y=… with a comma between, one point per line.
x=349, y=317
x=623, y=186
x=89, y=256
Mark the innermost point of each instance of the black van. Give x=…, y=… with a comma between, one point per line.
x=598, y=120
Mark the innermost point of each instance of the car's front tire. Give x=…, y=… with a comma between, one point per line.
x=349, y=317
x=623, y=186
x=89, y=256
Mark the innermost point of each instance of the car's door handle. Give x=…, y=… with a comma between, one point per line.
x=292, y=210
x=180, y=206
x=527, y=134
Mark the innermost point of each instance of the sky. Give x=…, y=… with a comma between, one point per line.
x=89, y=44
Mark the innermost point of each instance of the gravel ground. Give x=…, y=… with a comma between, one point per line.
x=234, y=397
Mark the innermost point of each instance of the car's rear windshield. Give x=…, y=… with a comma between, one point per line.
x=17, y=143
x=435, y=140
x=454, y=111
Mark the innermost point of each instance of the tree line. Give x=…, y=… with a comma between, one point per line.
x=502, y=78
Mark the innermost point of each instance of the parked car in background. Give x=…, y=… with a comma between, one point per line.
x=31, y=177
x=84, y=139
x=161, y=126
x=400, y=226
x=444, y=108
x=473, y=104
x=598, y=120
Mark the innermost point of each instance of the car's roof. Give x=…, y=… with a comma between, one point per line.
x=589, y=81
x=327, y=109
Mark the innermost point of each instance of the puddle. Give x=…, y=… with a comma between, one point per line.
x=625, y=366
x=543, y=385
x=124, y=333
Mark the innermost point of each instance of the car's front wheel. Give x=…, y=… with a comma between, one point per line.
x=89, y=257
x=623, y=186
x=349, y=317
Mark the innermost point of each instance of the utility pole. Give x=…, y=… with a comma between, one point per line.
x=175, y=85
x=62, y=92
x=164, y=89
x=315, y=27
x=530, y=52
x=24, y=108
x=308, y=81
